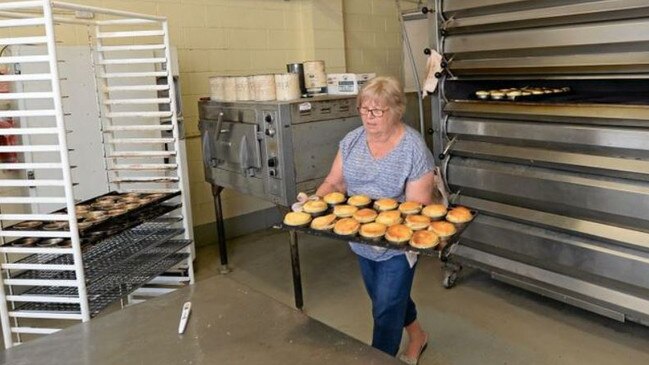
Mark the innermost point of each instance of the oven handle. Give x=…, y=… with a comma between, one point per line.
x=451, y=196
x=207, y=151
x=244, y=158
x=219, y=124
x=208, y=159
x=447, y=148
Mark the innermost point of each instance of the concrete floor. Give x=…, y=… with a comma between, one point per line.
x=480, y=321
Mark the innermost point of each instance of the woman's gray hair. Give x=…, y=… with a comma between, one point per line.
x=386, y=90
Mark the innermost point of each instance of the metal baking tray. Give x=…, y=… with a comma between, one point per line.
x=118, y=224
x=126, y=215
x=112, y=224
x=539, y=97
x=442, y=250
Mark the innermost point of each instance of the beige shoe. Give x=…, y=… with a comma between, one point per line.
x=414, y=361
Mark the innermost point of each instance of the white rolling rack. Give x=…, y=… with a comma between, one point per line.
x=44, y=288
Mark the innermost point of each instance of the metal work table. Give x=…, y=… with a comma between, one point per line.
x=229, y=324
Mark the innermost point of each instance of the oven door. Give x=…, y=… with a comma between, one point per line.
x=237, y=148
x=231, y=146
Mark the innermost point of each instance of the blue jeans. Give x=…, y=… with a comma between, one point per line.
x=388, y=283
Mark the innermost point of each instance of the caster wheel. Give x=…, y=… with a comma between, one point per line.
x=449, y=280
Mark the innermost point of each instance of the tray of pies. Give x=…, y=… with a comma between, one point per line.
x=521, y=94
x=96, y=218
x=384, y=222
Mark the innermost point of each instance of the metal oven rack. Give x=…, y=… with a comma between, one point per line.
x=45, y=286
x=121, y=264
x=562, y=183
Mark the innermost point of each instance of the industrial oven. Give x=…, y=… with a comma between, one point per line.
x=561, y=181
x=273, y=150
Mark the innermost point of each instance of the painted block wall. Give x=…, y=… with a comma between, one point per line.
x=243, y=37
x=373, y=37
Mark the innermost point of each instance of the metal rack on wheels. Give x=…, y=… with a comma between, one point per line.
x=44, y=286
x=540, y=123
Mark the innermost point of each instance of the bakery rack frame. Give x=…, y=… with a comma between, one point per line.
x=47, y=286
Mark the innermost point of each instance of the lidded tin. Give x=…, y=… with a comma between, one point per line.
x=217, y=88
x=243, y=88
x=264, y=86
x=230, y=89
x=315, y=78
x=287, y=86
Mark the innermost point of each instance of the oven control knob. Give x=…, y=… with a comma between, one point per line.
x=272, y=162
x=270, y=132
x=268, y=118
x=272, y=172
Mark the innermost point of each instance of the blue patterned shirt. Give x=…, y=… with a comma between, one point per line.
x=385, y=177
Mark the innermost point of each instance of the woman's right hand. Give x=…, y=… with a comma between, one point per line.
x=302, y=198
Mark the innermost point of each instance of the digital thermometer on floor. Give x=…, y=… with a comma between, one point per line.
x=184, y=315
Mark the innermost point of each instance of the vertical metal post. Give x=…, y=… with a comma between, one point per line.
x=436, y=102
x=413, y=65
x=101, y=85
x=220, y=229
x=295, y=265
x=65, y=163
x=4, y=308
x=4, y=317
x=180, y=170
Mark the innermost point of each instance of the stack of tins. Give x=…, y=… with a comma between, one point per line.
x=267, y=87
x=301, y=79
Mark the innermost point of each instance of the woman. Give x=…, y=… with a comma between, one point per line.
x=386, y=158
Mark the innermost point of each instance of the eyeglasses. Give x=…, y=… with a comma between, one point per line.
x=377, y=113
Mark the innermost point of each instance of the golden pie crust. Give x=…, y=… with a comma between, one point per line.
x=297, y=218
x=410, y=208
x=347, y=227
x=398, y=233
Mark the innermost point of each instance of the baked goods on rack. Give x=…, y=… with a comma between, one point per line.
x=417, y=221
x=389, y=217
x=459, y=215
x=365, y=215
x=297, y=219
x=347, y=227
x=334, y=198
x=398, y=233
x=324, y=223
x=314, y=206
x=443, y=229
x=373, y=230
x=384, y=221
x=410, y=208
x=360, y=200
x=434, y=211
x=385, y=204
x=344, y=210
x=424, y=239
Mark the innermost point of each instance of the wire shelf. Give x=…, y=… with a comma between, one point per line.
x=116, y=283
x=116, y=225
x=91, y=250
x=109, y=254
